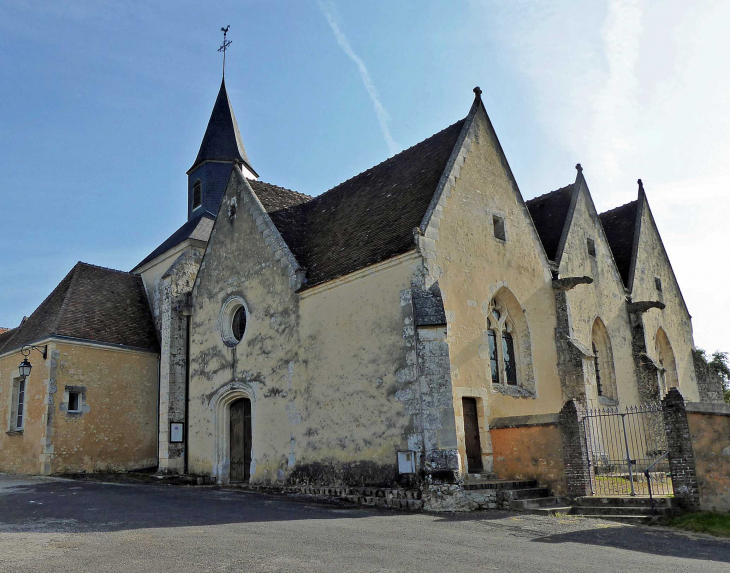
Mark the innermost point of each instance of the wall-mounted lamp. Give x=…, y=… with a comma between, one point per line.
x=25, y=366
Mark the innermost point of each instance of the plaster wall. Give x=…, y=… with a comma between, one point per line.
x=709, y=426
x=530, y=452
x=651, y=262
x=323, y=370
x=117, y=427
x=21, y=452
x=471, y=266
x=604, y=298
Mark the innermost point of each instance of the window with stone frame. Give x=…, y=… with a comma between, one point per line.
x=18, y=405
x=499, y=228
x=509, y=347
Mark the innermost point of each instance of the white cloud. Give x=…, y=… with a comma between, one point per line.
x=330, y=12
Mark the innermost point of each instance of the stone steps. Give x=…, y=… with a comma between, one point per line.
x=499, y=484
x=624, y=509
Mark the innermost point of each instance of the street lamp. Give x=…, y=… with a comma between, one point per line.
x=25, y=366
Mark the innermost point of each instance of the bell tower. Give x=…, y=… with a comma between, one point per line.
x=221, y=150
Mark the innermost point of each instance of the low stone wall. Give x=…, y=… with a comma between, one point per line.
x=709, y=425
x=529, y=447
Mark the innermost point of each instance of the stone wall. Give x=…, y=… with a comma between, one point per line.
x=529, y=447
x=709, y=427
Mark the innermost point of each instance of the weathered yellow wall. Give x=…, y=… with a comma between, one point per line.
x=21, y=453
x=471, y=266
x=605, y=298
x=321, y=370
x=118, y=432
x=674, y=319
x=710, y=435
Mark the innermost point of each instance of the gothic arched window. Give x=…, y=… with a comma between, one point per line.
x=603, y=368
x=667, y=373
x=509, y=346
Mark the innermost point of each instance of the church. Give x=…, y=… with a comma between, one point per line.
x=379, y=333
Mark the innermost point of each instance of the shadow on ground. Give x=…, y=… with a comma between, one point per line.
x=87, y=506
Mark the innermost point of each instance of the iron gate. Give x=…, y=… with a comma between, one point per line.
x=627, y=451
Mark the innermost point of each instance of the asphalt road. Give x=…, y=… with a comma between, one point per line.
x=70, y=526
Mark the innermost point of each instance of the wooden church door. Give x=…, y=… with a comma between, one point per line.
x=471, y=435
x=241, y=440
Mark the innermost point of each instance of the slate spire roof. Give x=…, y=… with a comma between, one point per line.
x=222, y=140
x=90, y=303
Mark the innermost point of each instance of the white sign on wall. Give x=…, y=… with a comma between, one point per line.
x=176, y=432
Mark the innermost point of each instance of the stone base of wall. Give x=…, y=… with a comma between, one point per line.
x=406, y=499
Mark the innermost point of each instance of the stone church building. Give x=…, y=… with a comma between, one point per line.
x=377, y=333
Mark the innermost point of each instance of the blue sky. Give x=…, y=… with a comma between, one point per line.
x=104, y=105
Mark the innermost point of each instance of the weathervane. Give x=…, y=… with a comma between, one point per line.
x=224, y=47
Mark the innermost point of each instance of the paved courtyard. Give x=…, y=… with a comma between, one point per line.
x=62, y=526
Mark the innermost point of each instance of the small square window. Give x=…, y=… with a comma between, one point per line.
x=658, y=283
x=499, y=232
x=591, y=247
x=74, y=401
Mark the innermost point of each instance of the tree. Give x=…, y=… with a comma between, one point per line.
x=720, y=365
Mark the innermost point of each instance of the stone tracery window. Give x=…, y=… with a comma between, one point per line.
x=509, y=346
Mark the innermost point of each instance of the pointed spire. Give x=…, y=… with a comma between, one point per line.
x=641, y=186
x=222, y=140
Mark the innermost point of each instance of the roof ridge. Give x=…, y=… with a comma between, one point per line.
x=619, y=207
x=317, y=197
x=57, y=323
x=102, y=268
x=550, y=193
x=283, y=188
x=50, y=294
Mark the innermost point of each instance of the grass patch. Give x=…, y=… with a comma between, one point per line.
x=703, y=522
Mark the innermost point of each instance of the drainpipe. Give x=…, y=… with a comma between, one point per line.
x=159, y=371
x=188, y=311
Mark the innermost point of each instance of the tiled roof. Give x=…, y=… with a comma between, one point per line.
x=222, y=140
x=275, y=198
x=198, y=228
x=91, y=303
x=370, y=217
x=549, y=213
x=620, y=227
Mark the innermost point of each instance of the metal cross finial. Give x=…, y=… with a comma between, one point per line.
x=224, y=47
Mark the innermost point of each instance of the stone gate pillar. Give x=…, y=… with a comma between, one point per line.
x=575, y=450
x=681, y=456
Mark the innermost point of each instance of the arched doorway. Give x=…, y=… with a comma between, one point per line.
x=240, y=440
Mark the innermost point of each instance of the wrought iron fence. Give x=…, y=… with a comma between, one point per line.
x=627, y=451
